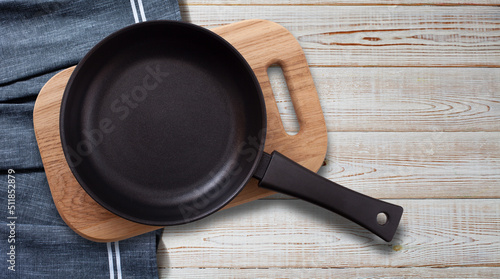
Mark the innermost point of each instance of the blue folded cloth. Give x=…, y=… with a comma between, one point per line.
x=38, y=39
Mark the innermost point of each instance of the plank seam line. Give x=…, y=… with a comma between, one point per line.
x=348, y=5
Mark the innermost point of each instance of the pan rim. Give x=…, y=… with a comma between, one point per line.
x=63, y=118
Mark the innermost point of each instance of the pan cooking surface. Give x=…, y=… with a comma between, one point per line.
x=156, y=122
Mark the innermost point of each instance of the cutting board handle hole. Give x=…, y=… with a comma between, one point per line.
x=283, y=99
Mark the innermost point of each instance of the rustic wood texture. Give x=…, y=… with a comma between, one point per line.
x=307, y=273
x=338, y=2
x=296, y=234
x=262, y=43
x=416, y=165
x=401, y=99
x=411, y=97
x=374, y=36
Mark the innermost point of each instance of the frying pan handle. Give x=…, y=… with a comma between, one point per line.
x=285, y=176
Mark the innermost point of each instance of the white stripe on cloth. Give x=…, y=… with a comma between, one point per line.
x=110, y=260
x=141, y=9
x=134, y=11
x=118, y=261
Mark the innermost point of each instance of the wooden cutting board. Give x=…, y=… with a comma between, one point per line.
x=262, y=43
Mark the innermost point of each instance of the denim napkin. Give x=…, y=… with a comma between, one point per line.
x=38, y=38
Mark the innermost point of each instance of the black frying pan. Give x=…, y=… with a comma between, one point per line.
x=163, y=123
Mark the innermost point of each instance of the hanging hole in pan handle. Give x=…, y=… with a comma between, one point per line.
x=382, y=218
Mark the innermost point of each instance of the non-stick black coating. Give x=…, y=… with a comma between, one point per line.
x=163, y=122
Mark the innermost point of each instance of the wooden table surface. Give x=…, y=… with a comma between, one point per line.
x=411, y=95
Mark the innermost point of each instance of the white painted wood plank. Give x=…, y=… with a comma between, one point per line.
x=416, y=165
x=306, y=273
x=401, y=99
x=295, y=234
x=377, y=35
x=338, y=2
